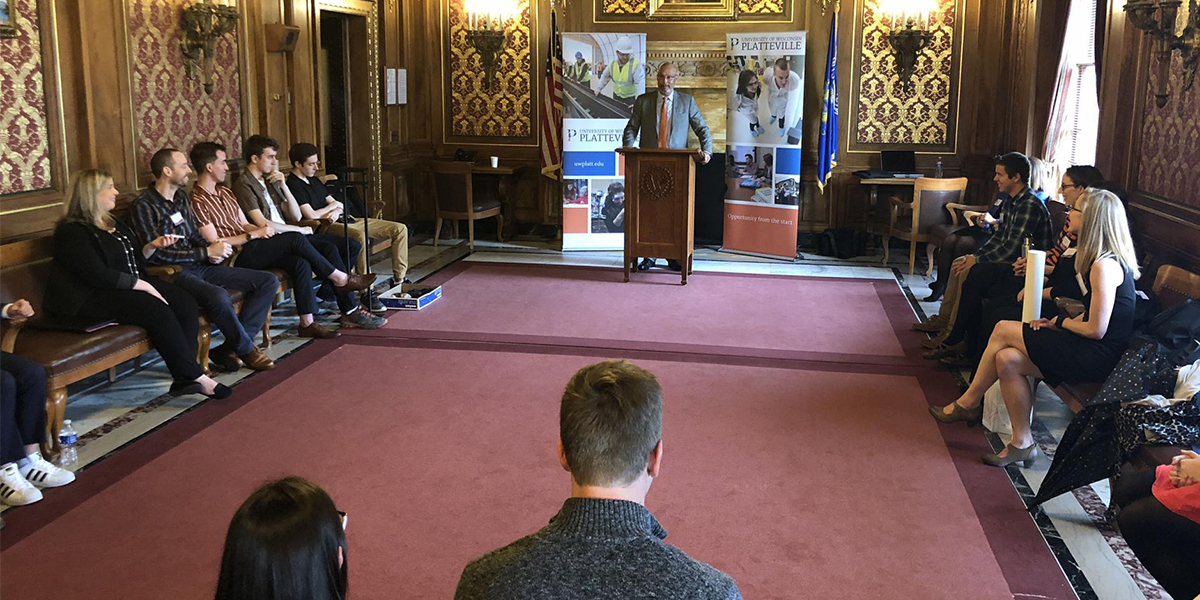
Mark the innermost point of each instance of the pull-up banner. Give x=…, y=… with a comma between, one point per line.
x=603, y=73
x=762, y=153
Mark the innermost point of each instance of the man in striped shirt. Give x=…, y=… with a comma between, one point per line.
x=261, y=247
x=165, y=209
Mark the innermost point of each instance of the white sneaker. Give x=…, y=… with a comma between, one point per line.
x=45, y=474
x=14, y=489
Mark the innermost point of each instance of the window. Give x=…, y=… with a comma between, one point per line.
x=1075, y=112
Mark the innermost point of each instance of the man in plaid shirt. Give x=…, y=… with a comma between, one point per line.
x=165, y=208
x=1022, y=216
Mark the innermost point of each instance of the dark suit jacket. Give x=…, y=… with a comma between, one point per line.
x=82, y=264
x=643, y=123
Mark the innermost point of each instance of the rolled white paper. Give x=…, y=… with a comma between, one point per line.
x=1035, y=273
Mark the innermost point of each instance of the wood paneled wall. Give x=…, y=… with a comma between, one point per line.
x=1003, y=81
x=993, y=78
x=1133, y=132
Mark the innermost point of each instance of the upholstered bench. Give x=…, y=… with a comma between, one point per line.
x=68, y=357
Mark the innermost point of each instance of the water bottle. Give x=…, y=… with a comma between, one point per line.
x=939, y=168
x=67, y=437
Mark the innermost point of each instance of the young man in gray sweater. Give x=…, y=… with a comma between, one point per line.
x=603, y=543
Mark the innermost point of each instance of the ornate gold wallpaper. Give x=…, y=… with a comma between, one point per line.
x=1171, y=141
x=24, y=133
x=625, y=7
x=761, y=7
x=172, y=110
x=744, y=7
x=505, y=110
x=886, y=114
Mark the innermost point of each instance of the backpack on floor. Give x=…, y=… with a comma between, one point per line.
x=842, y=243
x=1175, y=332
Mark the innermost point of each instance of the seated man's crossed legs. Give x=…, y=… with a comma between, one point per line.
x=379, y=229
x=293, y=253
x=206, y=284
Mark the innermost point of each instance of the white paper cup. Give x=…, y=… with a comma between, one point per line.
x=495, y=162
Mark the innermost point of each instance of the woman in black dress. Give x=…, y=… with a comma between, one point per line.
x=1081, y=349
x=99, y=274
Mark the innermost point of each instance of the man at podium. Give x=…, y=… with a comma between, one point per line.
x=661, y=119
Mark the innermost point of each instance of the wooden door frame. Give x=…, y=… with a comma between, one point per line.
x=369, y=10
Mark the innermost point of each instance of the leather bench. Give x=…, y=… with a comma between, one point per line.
x=68, y=357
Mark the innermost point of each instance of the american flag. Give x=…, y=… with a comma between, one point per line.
x=552, y=104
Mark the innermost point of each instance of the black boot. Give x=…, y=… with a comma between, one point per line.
x=935, y=292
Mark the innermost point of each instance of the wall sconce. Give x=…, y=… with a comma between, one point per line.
x=203, y=23
x=486, y=20
x=1141, y=14
x=908, y=33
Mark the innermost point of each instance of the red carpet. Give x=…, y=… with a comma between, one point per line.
x=802, y=473
x=714, y=313
x=796, y=485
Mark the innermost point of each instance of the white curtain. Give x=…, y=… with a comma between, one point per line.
x=1075, y=112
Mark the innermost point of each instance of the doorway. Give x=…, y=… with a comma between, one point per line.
x=347, y=89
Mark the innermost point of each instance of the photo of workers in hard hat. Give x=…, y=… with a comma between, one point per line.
x=603, y=73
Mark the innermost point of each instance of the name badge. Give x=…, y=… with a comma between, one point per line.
x=176, y=218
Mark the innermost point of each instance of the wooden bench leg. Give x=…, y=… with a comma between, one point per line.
x=112, y=374
x=56, y=406
x=202, y=348
x=267, y=332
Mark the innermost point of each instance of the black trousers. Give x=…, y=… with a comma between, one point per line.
x=292, y=252
x=1164, y=541
x=333, y=248
x=985, y=282
x=954, y=245
x=22, y=406
x=172, y=327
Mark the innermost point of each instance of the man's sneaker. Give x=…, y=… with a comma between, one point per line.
x=14, y=489
x=362, y=320
x=371, y=302
x=393, y=282
x=324, y=307
x=44, y=474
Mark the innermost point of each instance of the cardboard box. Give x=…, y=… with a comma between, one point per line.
x=422, y=296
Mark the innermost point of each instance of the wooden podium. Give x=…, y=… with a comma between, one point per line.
x=660, y=201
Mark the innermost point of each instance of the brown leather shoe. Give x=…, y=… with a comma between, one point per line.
x=258, y=360
x=933, y=325
x=224, y=358
x=355, y=283
x=314, y=330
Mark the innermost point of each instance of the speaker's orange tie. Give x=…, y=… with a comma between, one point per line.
x=664, y=125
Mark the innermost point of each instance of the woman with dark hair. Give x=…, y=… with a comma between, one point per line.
x=287, y=541
x=746, y=99
x=100, y=274
x=614, y=208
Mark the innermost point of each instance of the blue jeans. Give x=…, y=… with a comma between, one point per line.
x=206, y=283
x=23, y=399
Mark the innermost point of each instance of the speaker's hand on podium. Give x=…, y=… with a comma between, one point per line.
x=705, y=157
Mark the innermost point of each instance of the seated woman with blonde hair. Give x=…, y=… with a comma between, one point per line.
x=100, y=275
x=1081, y=349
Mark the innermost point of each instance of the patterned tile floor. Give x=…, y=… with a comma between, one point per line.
x=108, y=415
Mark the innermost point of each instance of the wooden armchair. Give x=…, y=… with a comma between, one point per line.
x=929, y=197
x=457, y=198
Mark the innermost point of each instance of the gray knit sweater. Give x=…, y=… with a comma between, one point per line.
x=594, y=549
